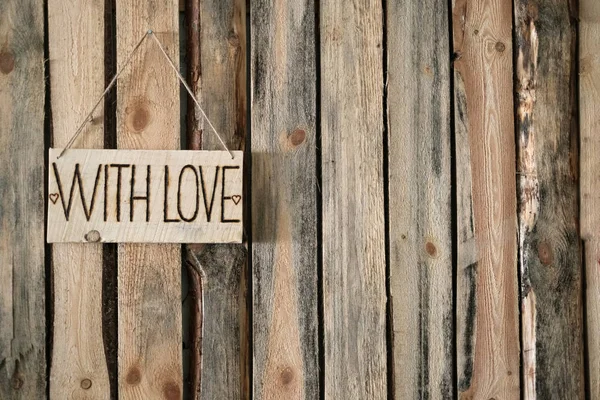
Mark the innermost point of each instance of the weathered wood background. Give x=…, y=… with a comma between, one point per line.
x=415, y=222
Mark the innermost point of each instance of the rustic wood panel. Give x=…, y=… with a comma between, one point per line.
x=77, y=81
x=217, y=71
x=354, y=292
x=22, y=271
x=284, y=193
x=487, y=295
x=549, y=245
x=149, y=281
x=589, y=98
x=419, y=198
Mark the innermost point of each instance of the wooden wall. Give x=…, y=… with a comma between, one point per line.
x=421, y=220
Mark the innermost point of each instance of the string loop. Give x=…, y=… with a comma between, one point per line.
x=113, y=81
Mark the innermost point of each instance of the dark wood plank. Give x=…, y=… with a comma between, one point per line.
x=419, y=198
x=487, y=295
x=217, y=74
x=589, y=98
x=549, y=244
x=284, y=193
x=149, y=277
x=354, y=292
x=22, y=271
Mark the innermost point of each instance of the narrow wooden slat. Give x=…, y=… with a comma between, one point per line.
x=420, y=210
x=217, y=70
x=589, y=100
x=22, y=272
x=284, y=193
x=549, y=245
x=149, y=278
x=354, y=292
x=487, y=295
x=77, y=81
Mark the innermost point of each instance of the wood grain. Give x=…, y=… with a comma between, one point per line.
x=284, y=193
x=149, y=280
x=589, y=100
x=77, y=81
x=22, y=271
x=419, y=206
x=549, y=244
x=487, y=295
x=217, y=74
x=354, y=293
x=145, y=196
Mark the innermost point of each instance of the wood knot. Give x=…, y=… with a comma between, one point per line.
x=545, y=253
x=86, y=384
x=297, y=137
x=233, y=39
x=500, y=47
x=138, y=117
x=92, y=236
x=16, y=382
x=431, y=249
x=171, y=391
x=133, y=376
x=286, y=376
x=7, y=62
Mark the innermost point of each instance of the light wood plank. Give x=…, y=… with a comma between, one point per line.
x=419, y=206
x=22, y=271
x=487, y=295
x=589, y=100
x=149, y=279
x=284, y=193
x=217, y=74
x=77, y=81
x=549, y=244
x=354, y=293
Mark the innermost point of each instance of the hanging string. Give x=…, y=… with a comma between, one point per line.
x=113, y=81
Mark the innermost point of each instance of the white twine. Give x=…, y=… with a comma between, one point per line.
x=114, y=81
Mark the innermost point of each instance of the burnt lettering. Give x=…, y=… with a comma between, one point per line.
x=223, y=197
x=146, y=198
x=195, y=214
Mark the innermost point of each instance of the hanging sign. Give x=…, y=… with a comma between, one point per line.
x=145, y=196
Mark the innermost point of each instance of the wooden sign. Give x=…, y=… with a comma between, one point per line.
x=145, y=196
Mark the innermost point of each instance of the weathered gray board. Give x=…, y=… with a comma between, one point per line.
x=145, y=196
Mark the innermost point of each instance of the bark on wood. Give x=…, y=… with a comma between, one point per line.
x=549, y=245
x=284, y=192
x=77, y=81
x=589, y=98
x=420, y=209
x=149, y=281
x=354, y=293
x=22, y=271
x=487, y=297
x=217, y=53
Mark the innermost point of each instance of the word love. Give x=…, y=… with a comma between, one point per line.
x=145, y=196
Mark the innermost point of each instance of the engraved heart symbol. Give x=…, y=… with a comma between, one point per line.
x=53, y=197
x=236, y=198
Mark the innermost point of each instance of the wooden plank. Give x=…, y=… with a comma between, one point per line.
x=419, y=206
x=149, y=280
x=589, y=99
x=77, y=81
x=217, y=74
x=22, y=271
x=549, y=244
x=145, y=196
x=284, y=193
x=354, y=292
x=487, y=295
